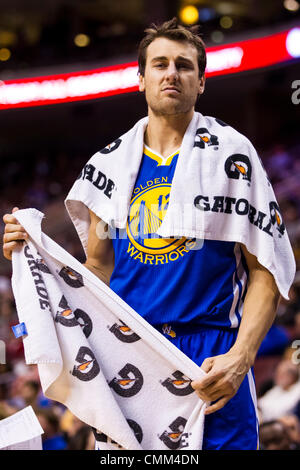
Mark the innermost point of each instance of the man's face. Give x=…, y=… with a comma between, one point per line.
x=171, y=82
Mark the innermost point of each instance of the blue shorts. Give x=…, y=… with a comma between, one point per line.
x=235, y=426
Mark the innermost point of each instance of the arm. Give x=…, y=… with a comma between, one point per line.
x=226, y=372
x=100, y=252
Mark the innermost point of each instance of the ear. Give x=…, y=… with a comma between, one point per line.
x=201, y=86
x=141, y=83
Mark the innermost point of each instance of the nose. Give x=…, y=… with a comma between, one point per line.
x=172, y=72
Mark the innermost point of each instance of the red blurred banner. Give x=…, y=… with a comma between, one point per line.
x=107, y=81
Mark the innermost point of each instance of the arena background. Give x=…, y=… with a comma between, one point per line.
x=43, y=148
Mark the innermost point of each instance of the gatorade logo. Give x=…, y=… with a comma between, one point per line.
x=65, y=315
x=129, y=382
x=174, y=438
x=111, y=147
x=71, y=277
x=88, y=367
x=136, y=428
x=178, y=385
x=84, y=321
x=124, y=333
x=204, y=138
x=238, y=165
x=276, y=217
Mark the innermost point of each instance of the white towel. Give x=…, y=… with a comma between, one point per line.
x=220, y=191
x=97, y=356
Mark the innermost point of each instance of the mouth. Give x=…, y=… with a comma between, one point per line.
x=171, y=89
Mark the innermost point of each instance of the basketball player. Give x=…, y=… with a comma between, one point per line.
x=182, y=298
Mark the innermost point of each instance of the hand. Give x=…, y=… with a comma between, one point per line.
x=13, y=234
x=225, y=374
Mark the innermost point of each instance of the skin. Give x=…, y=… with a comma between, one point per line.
x=171, y=84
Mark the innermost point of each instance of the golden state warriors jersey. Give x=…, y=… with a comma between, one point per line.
x=174, y=280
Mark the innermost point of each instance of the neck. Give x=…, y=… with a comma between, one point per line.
x=164, y=133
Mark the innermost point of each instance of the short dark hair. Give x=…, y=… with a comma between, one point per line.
x=172, y=30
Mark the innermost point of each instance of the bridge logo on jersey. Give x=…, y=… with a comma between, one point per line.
x=204, y=139
x=276, y=217
x=129, y=382
x=238, y=166
x=71, y=277
x=87, y=367
x=147, y=211
x=111, y=147
x=174, y=437
x=179, y=384
x=124, y=333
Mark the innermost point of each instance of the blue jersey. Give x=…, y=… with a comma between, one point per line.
x=174, y=282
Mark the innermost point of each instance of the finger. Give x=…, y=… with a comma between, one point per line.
x=14, y=236
x=15, y=209
x=8, y=248
x=211, y=395
x=208, y=381
x=207, y=364
x=14, y=228
x=217, y=406
x=9, y=219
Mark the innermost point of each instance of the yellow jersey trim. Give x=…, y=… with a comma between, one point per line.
x=159, y=158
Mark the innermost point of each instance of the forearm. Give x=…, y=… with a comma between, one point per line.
x=259, y=312
x=226, y=372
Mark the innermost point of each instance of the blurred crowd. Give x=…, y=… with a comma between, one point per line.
x=277, y=365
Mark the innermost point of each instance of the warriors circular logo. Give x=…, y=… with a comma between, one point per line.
x=147, y=211
x=129, y=382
